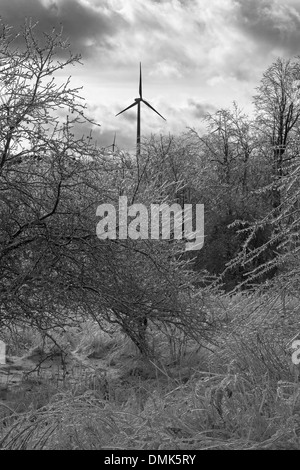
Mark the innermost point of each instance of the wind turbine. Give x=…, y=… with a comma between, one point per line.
x=113, y=145
x=138, y=104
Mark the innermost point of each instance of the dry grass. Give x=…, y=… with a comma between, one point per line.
x=243, y=395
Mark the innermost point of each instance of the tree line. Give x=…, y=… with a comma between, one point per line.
x=55, y=272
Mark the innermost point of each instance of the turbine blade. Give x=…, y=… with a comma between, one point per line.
x=114, y=143
x=140, y=89
x=149, y=105
x=128, y=107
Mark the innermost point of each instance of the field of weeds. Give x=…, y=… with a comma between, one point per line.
x=97, y=392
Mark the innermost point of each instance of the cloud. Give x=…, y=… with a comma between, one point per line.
x=197, y=55
x=166, y=68
x=129, y=115
x=200, y=110
x=88, y=27
x=270, y=23
x=176, y=37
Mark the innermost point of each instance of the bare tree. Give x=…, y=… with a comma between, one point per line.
x=278, y=113
x=54, y=271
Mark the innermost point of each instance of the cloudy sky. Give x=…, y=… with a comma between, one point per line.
x=197, y=55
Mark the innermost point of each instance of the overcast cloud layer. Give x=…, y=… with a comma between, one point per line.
x=197, y=55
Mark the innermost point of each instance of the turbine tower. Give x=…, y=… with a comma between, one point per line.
x=138, y=104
